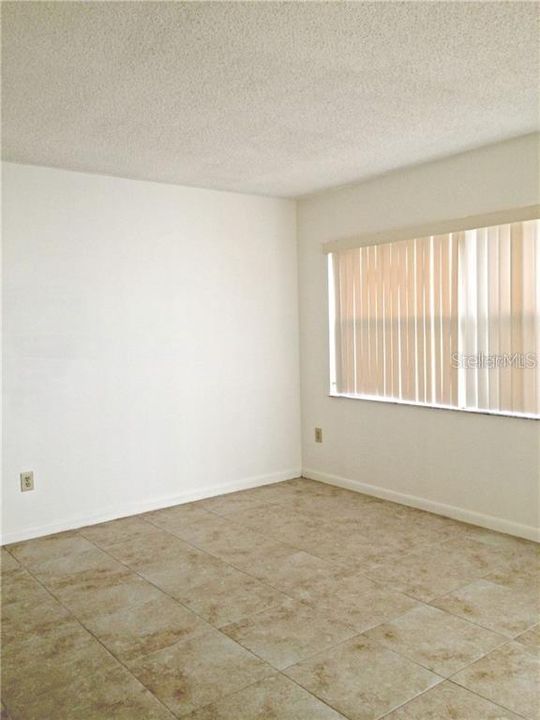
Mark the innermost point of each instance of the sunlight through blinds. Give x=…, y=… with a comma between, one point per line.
x=446, y=320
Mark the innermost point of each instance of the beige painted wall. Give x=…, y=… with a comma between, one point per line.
x=477, y=467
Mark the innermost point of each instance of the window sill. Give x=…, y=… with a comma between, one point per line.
x=395, y=401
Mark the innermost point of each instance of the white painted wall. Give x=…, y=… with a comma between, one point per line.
x=150, y=345
x=124, y=393
x=481, y=468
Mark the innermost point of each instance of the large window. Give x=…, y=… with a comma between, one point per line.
x=448, y=320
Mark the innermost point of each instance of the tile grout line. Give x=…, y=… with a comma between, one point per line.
x=443, y=678
x=212, y=627
x=79, y=621
x=461, y=687
x=204, y=552
x=483, y=697
x=363, y=571
x=421, y=545
x=315, y=652
x=19, y=564
x=274, y=670
x=311, y=657
x=272, y=538
x=355, y=634
x=264, y=582
x=386, y=587
x=217, y=629
x=476, y=624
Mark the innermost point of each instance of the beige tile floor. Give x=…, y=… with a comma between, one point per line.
x=294, y=601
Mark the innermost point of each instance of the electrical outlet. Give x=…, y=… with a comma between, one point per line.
x=27, y=481
x=318, y=435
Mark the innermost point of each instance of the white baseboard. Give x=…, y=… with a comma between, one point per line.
x=470, y=516
x=529, y=532
x=113, y=513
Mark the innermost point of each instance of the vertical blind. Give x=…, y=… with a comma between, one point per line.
x=449, y=320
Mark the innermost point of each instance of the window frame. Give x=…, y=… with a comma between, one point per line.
x=332, y=373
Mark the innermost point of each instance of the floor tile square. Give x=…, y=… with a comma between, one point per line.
x=281, y=522
x=122, y=697
x=301, y=486
x=34, y=552
x=140, y=552
x=228, y=597
x=20, y=586
x=256, y=497
x=146, y=628
x=92, y=568
x=508, y=676
x=177, y=517
x=350, y=597
x=438, y=641
x=109, y=533
x=7, y=562
x=361, y=679
x=493, y=606
x=65, y=639
x=426, y=573
x=285, y=568
x=450, y=702
x=189, y=570
x=197, y=672
x=346, y=544
x=128, y=592
x=484, y=556
x=93, y=696
x=284, y=634
x=237, y=545
x=189, y=525
x=521, y=574
x=274, y=698
x=27, y=619
x=332, y=508
x=232, y=502
x=531, y=637
x=51, y=663
x=518, y=548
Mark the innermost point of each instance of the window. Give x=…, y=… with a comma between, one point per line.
x=448, y=320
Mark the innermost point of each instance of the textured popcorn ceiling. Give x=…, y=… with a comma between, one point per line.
x=272, y=98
